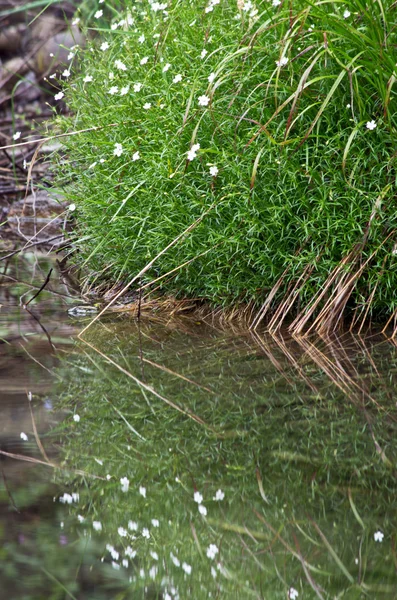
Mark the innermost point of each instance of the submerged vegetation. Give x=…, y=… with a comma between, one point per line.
x=250, y=144
x=231, y=467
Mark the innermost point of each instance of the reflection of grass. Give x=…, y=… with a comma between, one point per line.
x=301, y=466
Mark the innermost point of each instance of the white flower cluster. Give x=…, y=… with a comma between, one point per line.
x=69, y=498
x=211, y=5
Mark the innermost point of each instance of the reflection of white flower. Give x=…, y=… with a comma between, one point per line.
x=142, y=491
x=187, y=568
x=122, y=532
x=175, y=560
x=378, y=536
x=371, y=125
x=198, y=497
x=219, y=494
x=145, y=533
x=155, y=522
x=212, y=551
x=97, y=525
x=292, y=593
x=76, y=418
x=132, y=525
x=202, y=510
x=125, y=484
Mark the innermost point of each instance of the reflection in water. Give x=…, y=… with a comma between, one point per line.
x=234, y=466
x=174, y=460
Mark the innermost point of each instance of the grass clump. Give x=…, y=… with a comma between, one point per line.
x=275, y=122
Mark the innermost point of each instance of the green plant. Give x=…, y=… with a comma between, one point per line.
x=275, y=122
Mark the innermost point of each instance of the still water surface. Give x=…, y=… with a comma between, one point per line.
x=173, y=459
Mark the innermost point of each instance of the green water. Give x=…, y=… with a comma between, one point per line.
x=186, y=461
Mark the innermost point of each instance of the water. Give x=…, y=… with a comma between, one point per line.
x=179, y=460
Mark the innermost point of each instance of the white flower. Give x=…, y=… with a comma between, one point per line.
x=187, y=568
x=76, y=418
x=212, y=551
x=114, y=26
x=23, y=436
x=190, y=156
x=378, y=536
x=66, y=73
x=120, y=65
x=166, y=67
x=282, y=62
x=155, y=522
x=202, y=510
x=142, y=491
x=348, y=105
x=203, y=100
x=124, y=90
x=371, y=125
x=97, y=525
x=203, y=53
x=75, y=497
x=141, y=39
x=219, y=494
x=80, y=518
x=145, y=533
x=113, y=90
x=136, y=156
x=175, y=560
x=115, y=566
x=137, y=87
x=346, y=14
x=248, y=6
x=211, y=77
x=292, y=593
x=122, y=532
x=177, y=79
x=124, y=562
x=214, y=172
x=197, y=496
x=72, y=207
x=108, y=477
x=209, y=8
x=59, y=96
x=16, y=135
x=118, y=150
x=276, y=3
x=98, y=14
x=147, y=105
x=76, y=21
x=87, y=79
x=125, y=482
x=104, y=46
x=111, y=76
x=144, y=60
x=154, y=555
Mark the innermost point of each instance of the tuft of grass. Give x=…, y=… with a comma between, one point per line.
x=293, y=105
